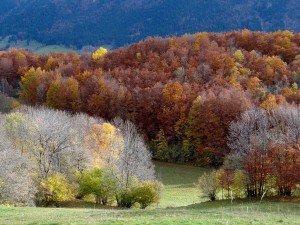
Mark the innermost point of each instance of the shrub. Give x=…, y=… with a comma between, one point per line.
x=147, y=193
x=94, y=182
x=55, y=189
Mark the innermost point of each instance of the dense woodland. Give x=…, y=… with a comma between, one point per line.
x=116, y=23
x=182, y=93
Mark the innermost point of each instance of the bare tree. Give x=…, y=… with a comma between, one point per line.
x=51, y=138
x=135, y=159
x=16, y=183
x=252, y=128
x=286, y=125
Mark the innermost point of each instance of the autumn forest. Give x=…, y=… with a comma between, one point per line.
x=207, y=99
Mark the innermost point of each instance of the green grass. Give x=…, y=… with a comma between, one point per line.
x=178, y=180
x=221, y=212
x=180, y=204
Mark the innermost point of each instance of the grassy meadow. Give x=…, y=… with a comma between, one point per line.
x=178, y=180
x=180, y=204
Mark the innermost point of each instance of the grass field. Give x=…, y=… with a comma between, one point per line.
x=221, y=212
x=179, y=204
x=178, y=180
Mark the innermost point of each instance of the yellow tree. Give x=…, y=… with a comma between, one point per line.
x=64, y=94
x=106, y=143
x=70, y=93
x=270, y=103
x=53, y=94
x=239, y=56
x=99, y=53
x=253, y=84
x=29, y=84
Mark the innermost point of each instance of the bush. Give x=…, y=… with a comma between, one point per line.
x=55, y=189
x=94, y=182
x=147, y=193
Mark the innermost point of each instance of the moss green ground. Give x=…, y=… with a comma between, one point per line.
x=179, y=204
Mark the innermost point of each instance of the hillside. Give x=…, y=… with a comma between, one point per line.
x=118, y=22
x=182, y=93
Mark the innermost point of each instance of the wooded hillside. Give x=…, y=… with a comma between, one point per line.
x=116, y=23
x=182, y=93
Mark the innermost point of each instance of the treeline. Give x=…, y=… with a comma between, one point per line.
x=182, y=93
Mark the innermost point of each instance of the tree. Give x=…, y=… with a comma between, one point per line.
x=16, y=183
x=47, y=136
x=64, y=95
x=208, y=185
x=99, y=53
x=29, y=85
x=249, y=140
x=225, y=179
x=105, y=142
x=212, y=121
x=239, y=185
x=53, y=95
x=134, y=159
x=239, y=56
x=266, y=145
x=285, y=168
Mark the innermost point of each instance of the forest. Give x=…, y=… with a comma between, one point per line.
x=223, y=100
x=117, y=23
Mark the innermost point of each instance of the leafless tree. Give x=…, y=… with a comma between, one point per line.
x=285, y=122
x=135, y=159
x=252, y=128
x=16, y=183
x=52, y=138
x=133, y=164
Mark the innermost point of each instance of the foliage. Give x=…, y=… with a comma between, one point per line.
x=50, y=146
x=56, y=188
x=208, y=185
x=94, y=182
x=147, y=193
x=7, y=103
x=239, y=56
x=99, y=53
x=265, y=146
x=16, y=184
x=188, y=88
x=239, y=185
